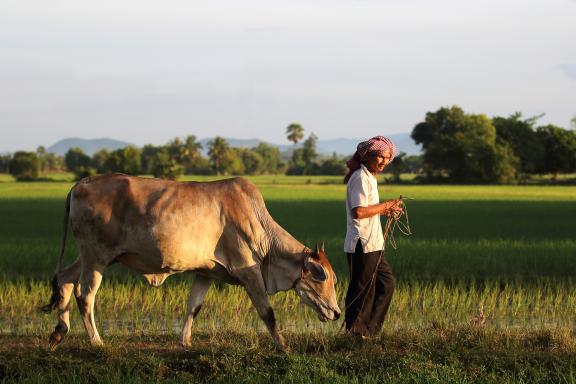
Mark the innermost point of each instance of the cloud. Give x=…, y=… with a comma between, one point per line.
x=569, y=70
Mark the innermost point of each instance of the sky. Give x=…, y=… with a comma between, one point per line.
x=147, y=71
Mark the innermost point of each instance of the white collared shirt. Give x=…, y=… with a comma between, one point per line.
x=362, y=191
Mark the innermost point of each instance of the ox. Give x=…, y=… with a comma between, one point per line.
x=219, y=230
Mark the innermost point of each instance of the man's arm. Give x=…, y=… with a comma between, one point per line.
x=388, y=208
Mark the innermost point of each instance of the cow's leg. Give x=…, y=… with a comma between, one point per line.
x=254, y=285
x=90, y=279
x=63, y=285
x=195, y=298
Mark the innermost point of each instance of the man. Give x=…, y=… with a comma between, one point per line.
x=371, y=278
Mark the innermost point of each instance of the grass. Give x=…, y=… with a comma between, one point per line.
x=435, y=354
x=508, y=250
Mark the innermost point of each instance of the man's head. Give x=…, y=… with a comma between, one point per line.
x=375, y=153
x=376, y=161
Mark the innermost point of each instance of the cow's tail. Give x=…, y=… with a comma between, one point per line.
x=56, y=296
x=64, y=232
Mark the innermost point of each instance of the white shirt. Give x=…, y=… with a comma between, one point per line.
x=362, y=191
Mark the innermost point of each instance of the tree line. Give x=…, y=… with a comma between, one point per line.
x=181, y=156
x=457, y=147
x=473, y=148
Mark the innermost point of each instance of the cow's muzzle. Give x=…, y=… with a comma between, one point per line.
x=310, y=297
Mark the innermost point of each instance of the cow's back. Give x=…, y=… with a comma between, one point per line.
x=159, y=225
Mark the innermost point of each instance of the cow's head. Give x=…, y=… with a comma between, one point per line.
x=316, y=285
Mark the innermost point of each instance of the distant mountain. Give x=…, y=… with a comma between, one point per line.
x=343, y=147
x=89, y=146
x=327, y=147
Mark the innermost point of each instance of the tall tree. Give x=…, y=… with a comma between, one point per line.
x=559, y=148
x=192, y=153
x=519, y=134
x=217, y=151
x=462, y=148
x=303, y=161
x=294, y=133
x=310, y=154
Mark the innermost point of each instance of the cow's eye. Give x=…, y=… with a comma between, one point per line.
x=318, y=273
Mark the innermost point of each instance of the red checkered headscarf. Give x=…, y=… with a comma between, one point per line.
x=375, y=144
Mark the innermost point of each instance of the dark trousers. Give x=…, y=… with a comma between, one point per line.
x=370, y=291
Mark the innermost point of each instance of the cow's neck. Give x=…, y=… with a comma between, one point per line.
x=284, y=259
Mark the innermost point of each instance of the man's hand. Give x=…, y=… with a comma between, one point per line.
x=393, y=208
x=390, y=208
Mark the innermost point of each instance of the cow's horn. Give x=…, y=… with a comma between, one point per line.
x=322, y=247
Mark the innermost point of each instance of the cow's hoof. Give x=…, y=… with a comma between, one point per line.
x=55, y=339
x=282, y=348
x=97, y=343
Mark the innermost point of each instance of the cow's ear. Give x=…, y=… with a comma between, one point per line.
x=316, y=270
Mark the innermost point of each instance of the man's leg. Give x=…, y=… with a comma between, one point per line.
x=385, y=283
x=360, y=295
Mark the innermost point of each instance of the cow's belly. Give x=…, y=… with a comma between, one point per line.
x=164, y=257
x=167, y=247
x=156, y=265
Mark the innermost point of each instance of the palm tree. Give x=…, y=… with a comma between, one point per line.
x=295, y=133
x=184, y=152
x=217, y=149
x=192, y=147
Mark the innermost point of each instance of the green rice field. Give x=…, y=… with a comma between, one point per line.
x=485, y=293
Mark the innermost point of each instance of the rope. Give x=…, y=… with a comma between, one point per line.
x=392, y=223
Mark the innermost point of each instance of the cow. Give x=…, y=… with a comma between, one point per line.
x=220, y=230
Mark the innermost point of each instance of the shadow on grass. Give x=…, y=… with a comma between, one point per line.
x=437, y=353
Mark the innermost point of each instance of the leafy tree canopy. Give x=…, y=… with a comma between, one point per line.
x=462, y=147
x=125, y=160
x=25, y=166
x=79, y=163
x=559, y=149
x=519, y=134
x=217, y=151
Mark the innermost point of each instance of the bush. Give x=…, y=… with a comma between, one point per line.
x=25, y=166
x=79, y=163
x=165, y=167
x=125, y=160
